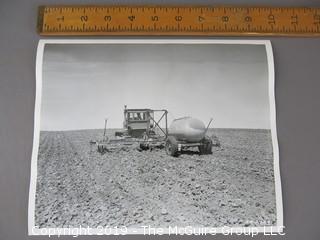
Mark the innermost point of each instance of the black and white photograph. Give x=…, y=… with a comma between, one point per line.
x=167, y=134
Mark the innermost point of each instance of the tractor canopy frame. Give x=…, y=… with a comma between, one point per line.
x=144, y=121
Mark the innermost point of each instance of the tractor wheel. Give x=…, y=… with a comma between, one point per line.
x=172, y=146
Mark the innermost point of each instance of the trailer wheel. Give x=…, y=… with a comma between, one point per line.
x=209, y=146
x=172, y=146
x=206, y=146
x=202, y=149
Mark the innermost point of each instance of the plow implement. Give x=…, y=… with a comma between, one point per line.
x=125, y=144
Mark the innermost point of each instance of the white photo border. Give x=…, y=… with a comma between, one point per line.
x=34, y=230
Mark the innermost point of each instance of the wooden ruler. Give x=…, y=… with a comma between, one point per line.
x=176, y=21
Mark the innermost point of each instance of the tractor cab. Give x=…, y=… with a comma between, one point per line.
x=138, y=121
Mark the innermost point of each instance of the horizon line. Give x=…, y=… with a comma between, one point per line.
x=86, y=129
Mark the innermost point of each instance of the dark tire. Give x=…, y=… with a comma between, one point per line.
x=144, y=147
x=206, y=147
x=172, y=147
x=209, y=147
x=202, y=149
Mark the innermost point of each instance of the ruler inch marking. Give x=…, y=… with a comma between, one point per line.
x=178, y=20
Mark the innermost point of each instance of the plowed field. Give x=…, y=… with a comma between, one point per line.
x=76, y=185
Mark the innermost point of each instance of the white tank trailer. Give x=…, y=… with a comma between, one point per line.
x=187, y=132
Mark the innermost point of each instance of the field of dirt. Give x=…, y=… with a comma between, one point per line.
x=76, y=185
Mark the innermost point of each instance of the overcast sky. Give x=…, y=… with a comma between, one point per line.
x=84, y=84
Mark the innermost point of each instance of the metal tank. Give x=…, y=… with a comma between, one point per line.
x=188, y=132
